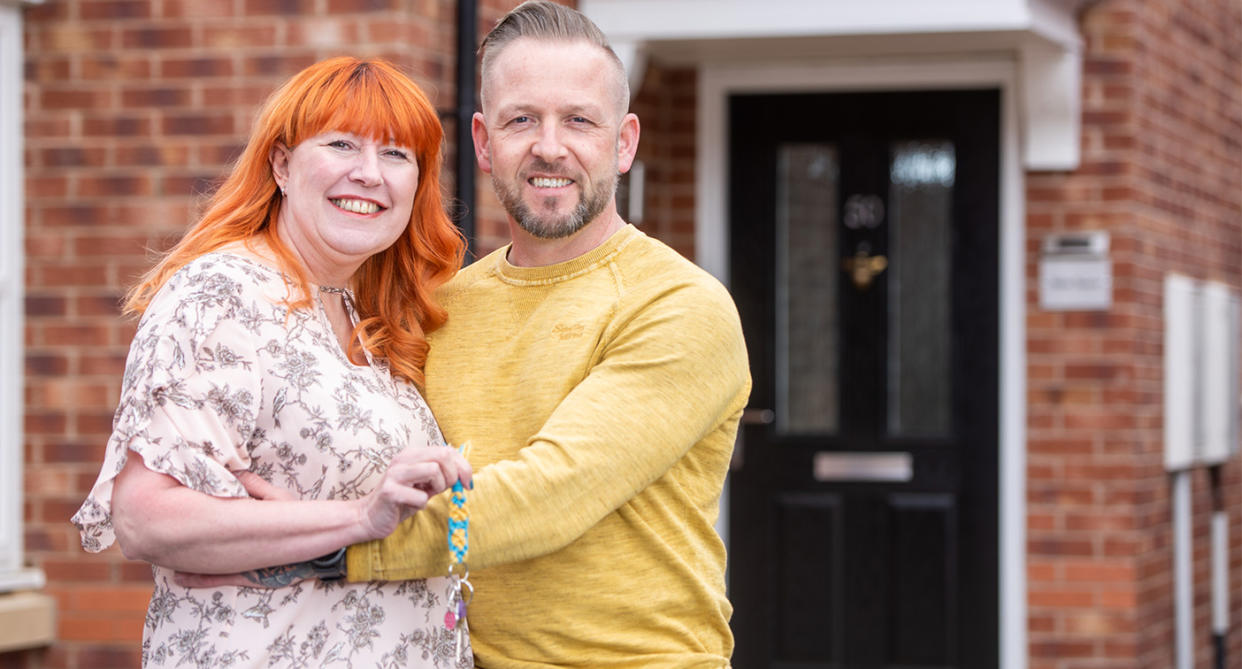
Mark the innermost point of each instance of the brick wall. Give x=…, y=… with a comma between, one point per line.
x=665, y=104
x=1162, y=173
x=133, y=108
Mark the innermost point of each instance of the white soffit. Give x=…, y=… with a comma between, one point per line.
x=1040, y=35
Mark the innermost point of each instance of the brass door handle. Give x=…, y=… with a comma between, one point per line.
x=864, y=268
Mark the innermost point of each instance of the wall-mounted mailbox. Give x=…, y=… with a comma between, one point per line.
x=1075, y=272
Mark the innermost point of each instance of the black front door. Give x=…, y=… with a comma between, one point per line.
x=863, y=503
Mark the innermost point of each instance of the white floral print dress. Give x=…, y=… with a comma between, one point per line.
x=223, y=376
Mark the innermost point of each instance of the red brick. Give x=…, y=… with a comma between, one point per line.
x=47, y=480
x=58, y=538
x=1092, y=572
x=103, y=656
x=98, y=305
x=1118, y=599
x=117, y=126
x=242, y=95
x=74, y=156
x=47, y=12
x=47, y=68
x=146, y=98
x=114, y=10
x=115, y=185
x=44, y=305
x=197, y=9
x=111, y=245
x=196, y=68
x=100, y=363
x=47, y=187
x=112, y=67
x=43, y=423
x=1061, y=599
x=88, y=452
x=69, y=571
x=75, y=335
x=153, y=38
x=220, y=154
x=198, y=124
x=278, y=7
x=47, y=127
x=74, y=98
x=70, y=37
x=47, y=364
x=350, y=6
x=128, y=599
x=135, y=572
x=97, y=627
x=152, y=155
x=196, y=185
x=277, y=66
x=236, y=36
x=1058, y=546
x=93, y=422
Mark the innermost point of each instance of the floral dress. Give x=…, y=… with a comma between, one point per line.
x=223, y=376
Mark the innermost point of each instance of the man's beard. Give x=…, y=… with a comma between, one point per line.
x=547, y=226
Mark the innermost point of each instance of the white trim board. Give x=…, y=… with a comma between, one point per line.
x=12, y=186
x=1042, y=35
x=681, y=20
x=718, y=81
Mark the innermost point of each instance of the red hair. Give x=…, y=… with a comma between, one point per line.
x=395, y=287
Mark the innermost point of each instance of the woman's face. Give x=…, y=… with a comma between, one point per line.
x=346, y=198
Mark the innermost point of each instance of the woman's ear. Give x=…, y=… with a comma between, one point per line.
x=278, y=158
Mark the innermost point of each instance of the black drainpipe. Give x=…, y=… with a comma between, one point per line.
x=467, y=26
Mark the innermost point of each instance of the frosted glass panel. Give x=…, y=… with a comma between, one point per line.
x=807, y=267
x=919, y=282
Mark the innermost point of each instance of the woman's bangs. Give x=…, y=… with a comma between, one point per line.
x=363, y=106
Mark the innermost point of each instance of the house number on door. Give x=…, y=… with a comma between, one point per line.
x=863, y=211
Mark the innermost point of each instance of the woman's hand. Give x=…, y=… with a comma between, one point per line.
x=413, y=477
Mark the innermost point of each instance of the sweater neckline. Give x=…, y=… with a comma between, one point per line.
x=564, y=271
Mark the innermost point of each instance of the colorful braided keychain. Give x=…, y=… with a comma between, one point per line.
x=459, y=545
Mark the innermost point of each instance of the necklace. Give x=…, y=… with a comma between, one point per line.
x=333, y=289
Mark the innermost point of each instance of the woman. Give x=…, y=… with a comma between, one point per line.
x=283, y=337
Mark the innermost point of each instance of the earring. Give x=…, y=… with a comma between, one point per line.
x=283, y=193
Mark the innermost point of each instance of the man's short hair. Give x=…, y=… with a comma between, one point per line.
x=549, y=21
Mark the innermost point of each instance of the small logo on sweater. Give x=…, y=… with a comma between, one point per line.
x=564, y=332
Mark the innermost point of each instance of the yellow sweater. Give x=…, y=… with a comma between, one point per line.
x=601, y=397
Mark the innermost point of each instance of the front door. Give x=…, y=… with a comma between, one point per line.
x=863, y=501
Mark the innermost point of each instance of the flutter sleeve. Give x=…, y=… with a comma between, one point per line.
x=191, y=391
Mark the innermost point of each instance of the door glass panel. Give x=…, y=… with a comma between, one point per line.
x=806, y=288
x=921, y=177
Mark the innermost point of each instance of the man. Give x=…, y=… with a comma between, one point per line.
x=599, y=378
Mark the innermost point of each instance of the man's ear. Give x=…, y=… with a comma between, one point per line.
x=278, y=158
x=627, y=142
x=482, y=151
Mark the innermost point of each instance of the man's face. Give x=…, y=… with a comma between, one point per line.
x=553, y=134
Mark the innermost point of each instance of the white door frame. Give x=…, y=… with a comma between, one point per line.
x=717, y=81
